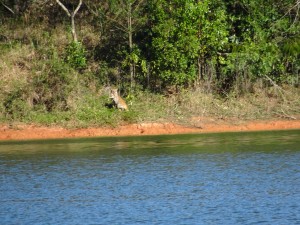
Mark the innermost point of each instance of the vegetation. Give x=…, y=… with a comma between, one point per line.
x=172, y=60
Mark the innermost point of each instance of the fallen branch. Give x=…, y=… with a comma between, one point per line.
x=280, y=90
x=285, y=115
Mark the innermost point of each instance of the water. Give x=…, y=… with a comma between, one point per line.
x=235, y=178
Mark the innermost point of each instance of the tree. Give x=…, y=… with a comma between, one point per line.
x=264, y=36
x=72, y=15
x=174, y=44
x=184, y=34
x=123, y=19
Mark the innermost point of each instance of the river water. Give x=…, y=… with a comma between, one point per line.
x=232, y=178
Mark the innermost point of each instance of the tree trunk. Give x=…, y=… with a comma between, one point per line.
x=200, y=63
x=130, y=43
x=72, y=16
x=73, y=28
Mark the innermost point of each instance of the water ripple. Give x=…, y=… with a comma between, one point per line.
x=250, y=178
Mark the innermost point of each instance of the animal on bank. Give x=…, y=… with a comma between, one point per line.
x=118, y=100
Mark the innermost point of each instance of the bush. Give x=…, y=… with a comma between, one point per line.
x=75, y=55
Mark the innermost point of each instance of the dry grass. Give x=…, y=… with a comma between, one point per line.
x=182, y=108
x=15, y=68
x=262, y=104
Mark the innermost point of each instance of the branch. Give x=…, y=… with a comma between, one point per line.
x=297, y=4
x=114, y=19
x=63, y=7
x=272, y=82
x=280, y=90
x=78, y=7
x=136, y=5
x=94, y=12
x=121, y=26
x=9, y=9
x=288, y=116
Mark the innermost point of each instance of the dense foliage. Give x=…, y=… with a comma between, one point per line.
x=179, y=42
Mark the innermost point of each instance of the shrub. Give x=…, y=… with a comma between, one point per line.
x=75, y=55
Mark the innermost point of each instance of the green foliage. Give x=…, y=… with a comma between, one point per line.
x=291, y=46
x=53, y=85
x=174, y=40
x=50, y=118
x=15, y=108
x=258, y=44
x=75, y=55
x=92, y=110
x=183, y=33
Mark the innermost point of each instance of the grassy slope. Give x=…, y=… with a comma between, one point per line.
x=37, y=86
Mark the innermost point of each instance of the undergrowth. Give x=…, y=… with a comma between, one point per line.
x=43, y=82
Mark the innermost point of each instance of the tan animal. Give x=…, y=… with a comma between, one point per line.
x=118, y=100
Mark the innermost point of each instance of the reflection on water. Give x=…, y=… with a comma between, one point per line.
x=235, y=178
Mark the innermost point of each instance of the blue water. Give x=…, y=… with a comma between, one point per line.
x=235, y=178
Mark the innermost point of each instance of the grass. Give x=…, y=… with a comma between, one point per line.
x=92, y=110
x=38, y=86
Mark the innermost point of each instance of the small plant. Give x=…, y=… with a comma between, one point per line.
x=130, y=116
x=76, y=55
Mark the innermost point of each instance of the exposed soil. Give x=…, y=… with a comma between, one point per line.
x=201, y=125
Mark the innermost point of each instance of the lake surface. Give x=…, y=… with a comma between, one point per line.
x=233, y=178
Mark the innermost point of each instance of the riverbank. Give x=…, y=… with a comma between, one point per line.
x=201, y=125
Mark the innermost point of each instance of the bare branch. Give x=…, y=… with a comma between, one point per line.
x=121, y=26
x=9, y=9
x=64, y=7
x=72, y=15
x=280, y=90
x=67, y=11
x=297, y=5
x=78, y=7
x=115, y=20
x=136, y=5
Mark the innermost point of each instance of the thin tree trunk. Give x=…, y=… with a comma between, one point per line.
x=148, y=75
x=130, y=43
x=73, y=28
x=199, y=69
